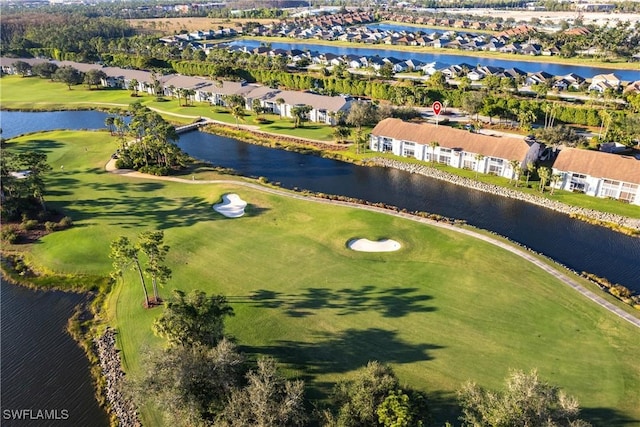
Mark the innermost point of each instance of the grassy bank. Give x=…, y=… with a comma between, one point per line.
x=322, y=310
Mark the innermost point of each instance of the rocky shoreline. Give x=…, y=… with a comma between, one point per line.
x=110, y=363
x=600, y=217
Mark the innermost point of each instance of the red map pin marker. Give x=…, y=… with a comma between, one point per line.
x=437, y=107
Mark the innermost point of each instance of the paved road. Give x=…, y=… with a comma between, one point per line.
x=565, y=278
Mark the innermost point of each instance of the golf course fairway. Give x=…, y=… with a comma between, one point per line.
x=443, y=309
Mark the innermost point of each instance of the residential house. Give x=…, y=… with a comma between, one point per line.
x=633, y=87
x=489, y=70
x=570, y=80
x=531, y=49
x=123, y=78
x=551, y=51
x=219, y=89
x=322, y=110
x=601, y=82
x=455, y=147
x=440, y=43
x=514, y=73
x=353, y=61
x=398, y=64
x=6, y=64
x=599, y=174
x=432, y=67
x=493, y=46
x=510, y=48
x=476, y=74
x=541, y=77
x=414, y=64
x=80, y=66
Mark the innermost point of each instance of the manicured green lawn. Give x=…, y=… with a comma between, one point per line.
x=443, y=310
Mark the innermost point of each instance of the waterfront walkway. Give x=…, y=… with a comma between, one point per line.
x=519, y=251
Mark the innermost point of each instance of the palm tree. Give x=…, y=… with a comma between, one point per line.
x=300, y=113
x=433, y=145
x=554, y=180
x=236, y=104
x=133, y=86
x=515, y=165
x=256, y=106
x=360, y=139
x=189, y=95
x=108, y=122
x=544, y=173
x=605, y=118
x=518, y=172
x=151, y=243
x=125, y=255
x=280, y=102
x=531, y=167
x=526, y=118
x=341, y=133
x=237, y=111
x=445, y=104
x=479, y=157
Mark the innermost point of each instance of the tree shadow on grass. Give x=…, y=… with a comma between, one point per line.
x=389, y=302
x=44, y=145
x=141, y=206
x=148, y=211
x=444, y=407
x=254, y=210
x=345, y=351
x=606, y=417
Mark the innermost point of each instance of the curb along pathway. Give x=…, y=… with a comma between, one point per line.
x=110, y=167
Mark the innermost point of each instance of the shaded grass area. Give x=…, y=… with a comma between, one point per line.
x=322, y=310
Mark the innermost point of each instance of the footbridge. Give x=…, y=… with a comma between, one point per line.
x=191, y=126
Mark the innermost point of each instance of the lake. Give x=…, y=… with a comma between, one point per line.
x=43, y=368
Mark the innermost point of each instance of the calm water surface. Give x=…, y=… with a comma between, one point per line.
x=43, y=368
x=15, y=123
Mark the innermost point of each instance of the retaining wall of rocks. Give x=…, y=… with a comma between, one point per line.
x=511, y=193
x=112, y=372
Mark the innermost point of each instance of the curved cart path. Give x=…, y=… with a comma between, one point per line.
x=110, y=167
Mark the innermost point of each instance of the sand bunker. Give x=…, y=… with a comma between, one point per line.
x=366, y=245
x=232, y=206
